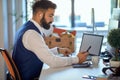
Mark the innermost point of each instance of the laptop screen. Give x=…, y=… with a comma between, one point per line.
x=91, y=40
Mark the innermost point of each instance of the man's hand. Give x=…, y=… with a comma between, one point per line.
x=65, y=51
x=82, y=56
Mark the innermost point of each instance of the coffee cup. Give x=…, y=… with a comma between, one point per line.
x=95, y=60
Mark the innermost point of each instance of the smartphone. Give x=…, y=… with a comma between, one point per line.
x=89, y=77
x=83, y=65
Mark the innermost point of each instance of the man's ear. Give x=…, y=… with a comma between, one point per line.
x=40, y=14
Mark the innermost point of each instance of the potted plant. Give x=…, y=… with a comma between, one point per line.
x=113, y=39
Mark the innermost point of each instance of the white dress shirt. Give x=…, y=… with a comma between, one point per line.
x=34, y=42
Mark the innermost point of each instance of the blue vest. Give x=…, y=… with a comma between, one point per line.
x=27, y=62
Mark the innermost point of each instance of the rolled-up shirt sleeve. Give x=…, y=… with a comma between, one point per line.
x=34, y=42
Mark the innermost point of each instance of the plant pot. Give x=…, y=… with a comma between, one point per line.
x=114, y=63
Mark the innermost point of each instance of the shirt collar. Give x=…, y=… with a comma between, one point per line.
x=37, y=25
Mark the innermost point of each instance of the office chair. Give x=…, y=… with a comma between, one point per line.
x=13, y=73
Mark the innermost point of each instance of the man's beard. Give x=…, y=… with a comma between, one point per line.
x=45, y=25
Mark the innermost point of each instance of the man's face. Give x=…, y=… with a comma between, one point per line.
x=47, y=18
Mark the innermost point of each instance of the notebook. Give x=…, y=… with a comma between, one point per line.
x=91, y=40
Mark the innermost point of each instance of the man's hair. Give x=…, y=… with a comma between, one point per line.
x=43, y=5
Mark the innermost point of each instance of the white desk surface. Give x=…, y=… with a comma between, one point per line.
x=70, y=73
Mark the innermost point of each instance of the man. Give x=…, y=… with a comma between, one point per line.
x=30, y=50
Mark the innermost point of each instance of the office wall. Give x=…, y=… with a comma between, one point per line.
x=1, y=43
x=8, y=26
x=1, y=25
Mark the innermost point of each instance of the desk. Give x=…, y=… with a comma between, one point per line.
x=69, y=73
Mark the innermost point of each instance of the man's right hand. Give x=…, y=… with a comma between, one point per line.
x=82, y=56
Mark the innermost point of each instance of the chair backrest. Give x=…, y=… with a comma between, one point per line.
x=14, y=73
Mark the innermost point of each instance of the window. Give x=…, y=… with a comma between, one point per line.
x=63, y=12
x=77, y=15
x=82, y=11
x=29, y=8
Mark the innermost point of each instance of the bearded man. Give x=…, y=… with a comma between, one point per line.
x=30, y=50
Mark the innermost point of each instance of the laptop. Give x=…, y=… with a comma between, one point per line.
x=93, y=42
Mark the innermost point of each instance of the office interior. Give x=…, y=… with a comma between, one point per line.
x=94, y=17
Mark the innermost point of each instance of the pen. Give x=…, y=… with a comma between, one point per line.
x=88, y=48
